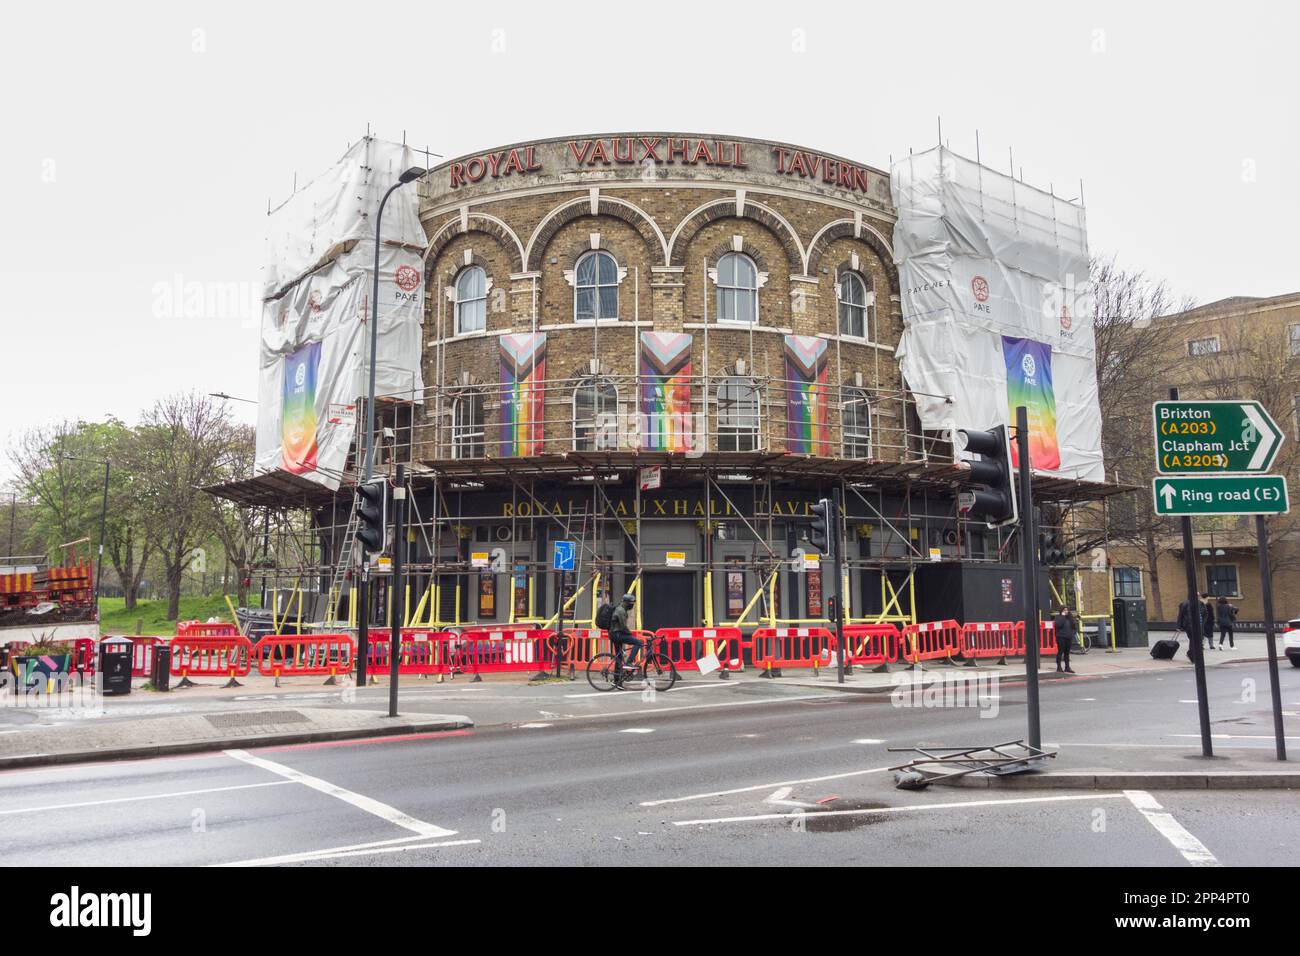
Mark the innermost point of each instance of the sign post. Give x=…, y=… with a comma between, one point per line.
x=1216, y=454
x=565, y=558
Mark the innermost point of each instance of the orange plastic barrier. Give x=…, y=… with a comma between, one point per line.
x=686, y=645
x=421, y=652
x=211, y=656
x=991, y=639
x=584, y=644
x=513, y=650
x=872, y=643
x=931, y=641
x=792, y=646
x=280, y=655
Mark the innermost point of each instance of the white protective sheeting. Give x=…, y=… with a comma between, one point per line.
x=982, y=259
x=315, y=341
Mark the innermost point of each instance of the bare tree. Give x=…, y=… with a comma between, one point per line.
x=183, y=444
x=239, y=527
x=1137, y=358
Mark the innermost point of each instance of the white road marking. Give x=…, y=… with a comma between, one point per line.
x=906, y=809
x=680, y=686
x=780, y=798
x=533, y=726
x=1236, y=736
x=356, y=849
x=637, y=730
x=1193, y=850
x=360, y=801
x=762, y=786
x=147, y=796
x=868, y=740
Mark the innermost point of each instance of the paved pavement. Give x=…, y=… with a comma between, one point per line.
x=725, y=774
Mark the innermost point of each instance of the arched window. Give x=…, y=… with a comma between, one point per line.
x=595, y=284
x=467, y=432
x=855, y=422
x=737, y=288
x=738, y=411
x=595, y=414
x=857, y=306
x=471, y=300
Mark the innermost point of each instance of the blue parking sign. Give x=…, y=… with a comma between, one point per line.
x=565, y=552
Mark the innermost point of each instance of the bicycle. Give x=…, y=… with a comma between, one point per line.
x=648, y=665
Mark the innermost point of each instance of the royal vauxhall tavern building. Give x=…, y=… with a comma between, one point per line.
x=664, y=347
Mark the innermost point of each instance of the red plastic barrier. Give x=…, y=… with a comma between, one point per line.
x=203, y=629
x=584, y=644
x=686, y=645
x=872, y=643
x=931, y=641
x=280, y=655
x=514, y=650
x=1047, y=638
x=82, y=654
x=421, y=652
x=991, y=639
x=142, y=654
x=211, y=656
x=792, y=646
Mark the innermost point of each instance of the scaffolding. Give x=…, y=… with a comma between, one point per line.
x=482, y=507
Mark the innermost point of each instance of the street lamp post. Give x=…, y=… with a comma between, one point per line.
x=363, y=596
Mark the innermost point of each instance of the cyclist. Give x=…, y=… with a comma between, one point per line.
x=620, y=634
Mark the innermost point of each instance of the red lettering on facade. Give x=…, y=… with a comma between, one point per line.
x=579, y=156
x=619, y=156
x=678, y=148
x=598, y=154
x=780, y=158
x=651, y=148
x=702, y=149
x=457, y=172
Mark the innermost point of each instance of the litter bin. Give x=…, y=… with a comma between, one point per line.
x=115, y=664
x=161, y=674
x=1130, y=622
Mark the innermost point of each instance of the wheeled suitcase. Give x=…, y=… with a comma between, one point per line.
x=1164, y=650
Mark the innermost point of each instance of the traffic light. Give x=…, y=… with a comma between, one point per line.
x=821, y=534
x=372, y=524
x=993, y=497
x=1050, y=552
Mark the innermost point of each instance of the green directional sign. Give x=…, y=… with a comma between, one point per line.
x=1221, y=495
x=1214, y=437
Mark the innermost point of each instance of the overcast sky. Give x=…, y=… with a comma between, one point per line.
x=142, y=140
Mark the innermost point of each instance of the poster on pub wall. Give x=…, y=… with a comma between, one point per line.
x=1029, y=383
x=807, y=431
x=298, y=409
x=666, y=391
x=523, y=393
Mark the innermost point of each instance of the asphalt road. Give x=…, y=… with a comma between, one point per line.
x=718, y=775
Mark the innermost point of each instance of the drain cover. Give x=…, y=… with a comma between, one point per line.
x=256, y=718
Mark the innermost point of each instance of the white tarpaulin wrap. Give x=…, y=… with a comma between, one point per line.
x=996, y=307
x=315, y=323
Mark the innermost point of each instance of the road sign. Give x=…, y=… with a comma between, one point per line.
x=565, y=552
x=1214, y=437
x=1221, y=495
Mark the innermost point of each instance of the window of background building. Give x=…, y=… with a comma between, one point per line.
x=855, y=416
x=857, y=313
x=467, y=431
x=737, y=288
x=1128, y=583
x=1221, y=579
x=1293, y=333
x=1205, y=346
x=471, y=300
x=738, y=410
x=595, y=409
x=596, y=288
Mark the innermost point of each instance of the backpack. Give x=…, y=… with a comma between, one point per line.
x=605, y=616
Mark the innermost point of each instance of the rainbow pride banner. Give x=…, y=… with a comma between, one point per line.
x=523, y=393
x=1029, y=383
x=298, y=409
x=807, y=429
x=666, y=391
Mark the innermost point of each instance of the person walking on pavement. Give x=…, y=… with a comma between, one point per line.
x=620, y=634
x=1207, y=619
x=1226, y=614
x=1066, y=630
x=1185, y=622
